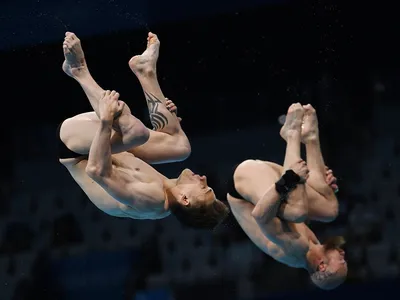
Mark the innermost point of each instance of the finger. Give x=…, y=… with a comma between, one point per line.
x=108, y=92
x=67, y=43
x=332, y=181
x=179, y=119
x=168, y=102
x=112, y=94
x=335, y=188
x=121, y=105
x=71, y=35
x=66, y=50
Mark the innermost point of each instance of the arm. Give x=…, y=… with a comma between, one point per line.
x=265, y=214
x=242, y=211
x=250, y=183
x=99, y=162
x=100, y=169
x=99, y=166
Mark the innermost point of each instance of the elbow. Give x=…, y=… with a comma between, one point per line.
x=94, y=172
x=259, y=215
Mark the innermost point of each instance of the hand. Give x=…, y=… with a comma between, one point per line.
x=301, y=169
x=173, y=109
x=110, y=107
x=331, y=180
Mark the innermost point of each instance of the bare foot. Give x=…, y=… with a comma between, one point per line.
x=146, y=63
x=309, y=130
x=74, y=64
x=293, y=121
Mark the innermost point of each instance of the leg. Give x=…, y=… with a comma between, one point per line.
x=75, y=66
x=295, y=208
x=167, y=142
x=322, y=204
x=145, y=68
x=77, y=134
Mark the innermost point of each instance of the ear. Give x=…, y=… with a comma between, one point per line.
x=183, y=199
x=322, y=266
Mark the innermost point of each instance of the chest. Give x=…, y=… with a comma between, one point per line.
x=293, y=251
x=136, y=169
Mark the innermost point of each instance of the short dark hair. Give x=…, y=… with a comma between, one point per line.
x=202, y=216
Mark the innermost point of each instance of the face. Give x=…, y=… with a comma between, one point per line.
x=194, y=189
x=335, y=258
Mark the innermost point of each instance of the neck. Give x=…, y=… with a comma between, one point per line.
x=167, y=185
x=312, y=257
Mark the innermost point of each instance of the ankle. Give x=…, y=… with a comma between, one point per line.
x=83, y=77
x=146, y=73
x=293, y=135
x=312, y=140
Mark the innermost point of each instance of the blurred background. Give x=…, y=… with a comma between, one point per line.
x=232, y=68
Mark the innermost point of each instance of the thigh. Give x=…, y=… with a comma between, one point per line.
x=96, y=194
x=77, y=134
x=320, y=208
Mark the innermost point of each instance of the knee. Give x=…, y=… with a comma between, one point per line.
x=331, y=214
x=183, y=152
x=137, y=135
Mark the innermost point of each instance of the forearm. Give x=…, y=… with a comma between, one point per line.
x=99, y=162
x=267, y=207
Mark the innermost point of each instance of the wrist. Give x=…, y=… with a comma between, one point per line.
x=106, y=123
x=288, y=182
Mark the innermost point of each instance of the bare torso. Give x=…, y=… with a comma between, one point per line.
x=292, y=253
x=147, y=203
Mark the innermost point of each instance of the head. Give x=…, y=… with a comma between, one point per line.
x=194, y=203
x=327, y=264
